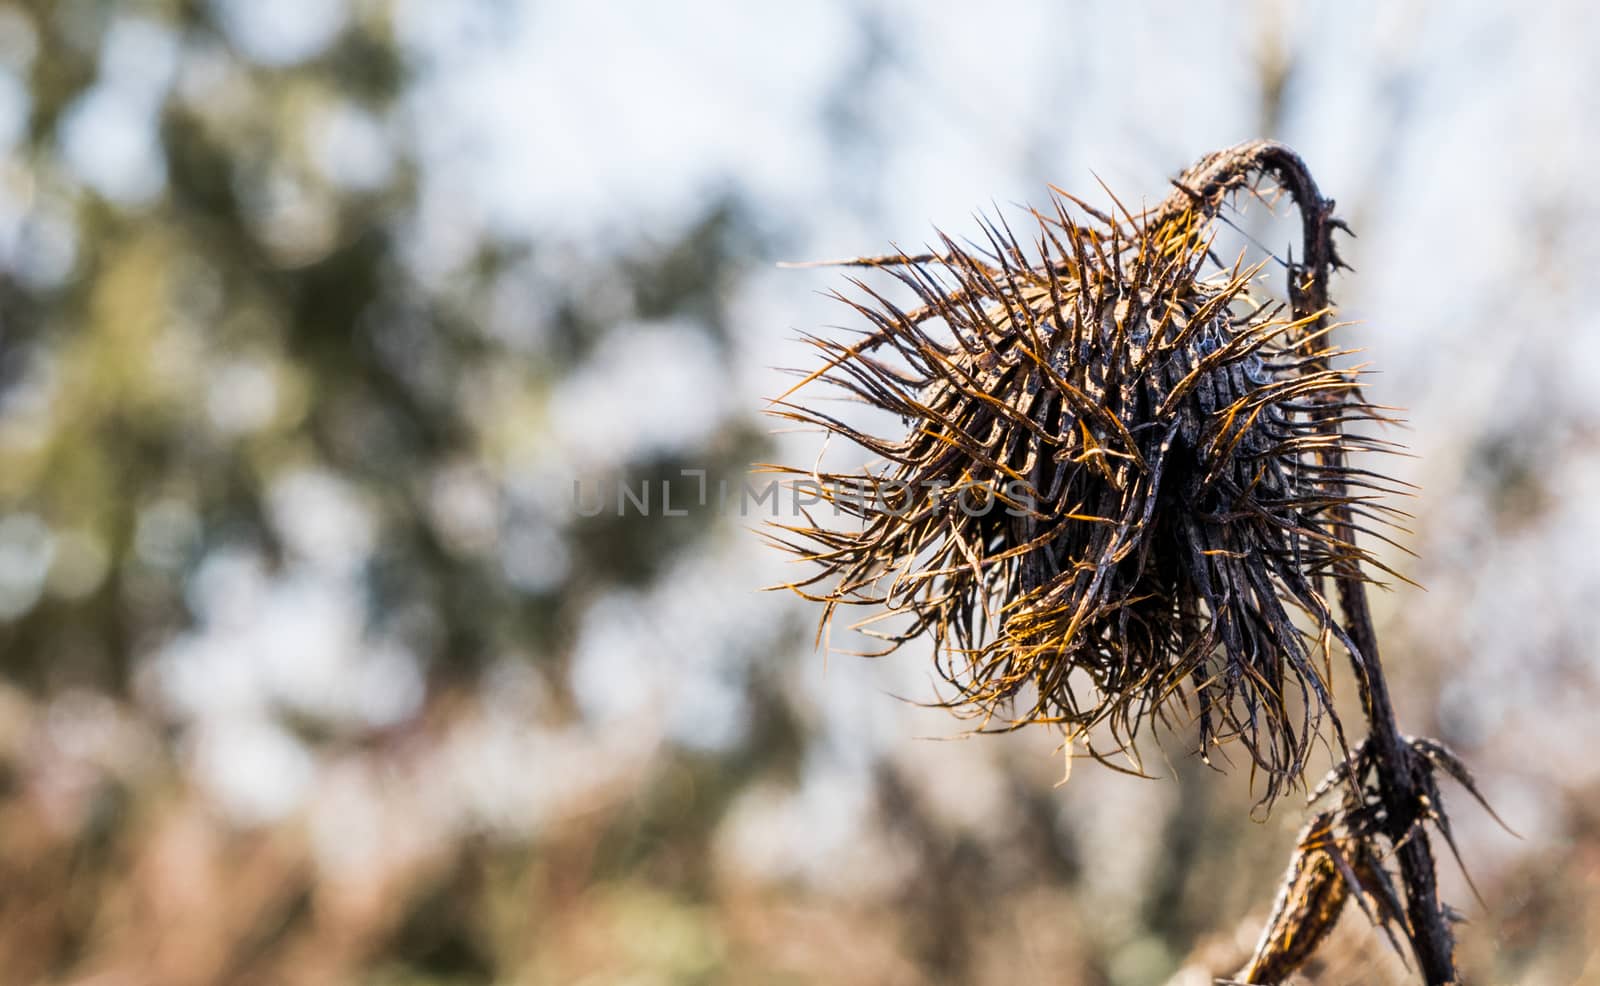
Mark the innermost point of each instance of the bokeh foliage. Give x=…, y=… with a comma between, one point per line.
x=269, y=307
x=254, y=302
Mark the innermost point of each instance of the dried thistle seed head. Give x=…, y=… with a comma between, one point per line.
x=1115, y=499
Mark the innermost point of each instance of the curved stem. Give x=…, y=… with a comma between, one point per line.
x=1204, y=187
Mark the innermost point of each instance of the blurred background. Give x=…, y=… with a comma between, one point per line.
x=313, y=312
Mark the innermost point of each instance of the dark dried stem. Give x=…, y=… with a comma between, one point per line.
x=1400, y=774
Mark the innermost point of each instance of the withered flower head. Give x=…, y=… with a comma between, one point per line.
x=1115, y=502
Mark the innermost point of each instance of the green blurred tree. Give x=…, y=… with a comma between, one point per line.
x=244, y=299
x=220, y=289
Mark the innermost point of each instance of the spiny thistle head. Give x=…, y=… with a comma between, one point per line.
x=1115, y=500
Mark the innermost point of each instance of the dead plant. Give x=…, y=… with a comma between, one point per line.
x=1124, y=491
